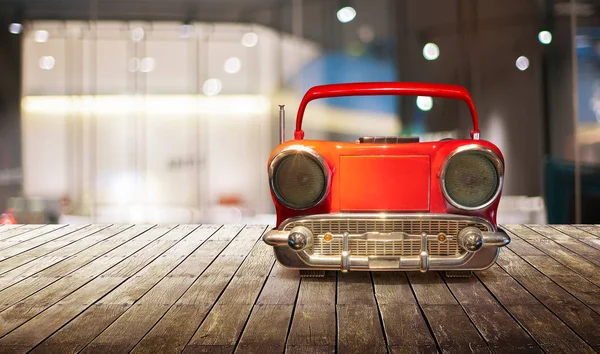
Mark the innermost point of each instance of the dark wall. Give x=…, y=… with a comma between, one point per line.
x=560, y=93
x=10, y=114
x=560, y=82
x=479, y=43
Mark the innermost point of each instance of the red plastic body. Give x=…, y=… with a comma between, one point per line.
x=398, y=178
x=369, y=180
x=404, y=194
x=387, y=89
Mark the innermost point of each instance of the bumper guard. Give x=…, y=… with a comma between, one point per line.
x=471, y=240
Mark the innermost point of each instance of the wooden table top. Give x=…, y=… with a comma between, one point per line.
x=216, y=288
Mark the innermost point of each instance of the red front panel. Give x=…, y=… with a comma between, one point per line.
x=384, y=183
x=359, y=191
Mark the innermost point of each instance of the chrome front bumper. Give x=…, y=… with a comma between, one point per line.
x=419, y=231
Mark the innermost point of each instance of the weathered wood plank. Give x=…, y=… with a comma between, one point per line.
x=570, y=259
x=261, y=338
x=70, y=253
x=81, y=269
x=225, y=322
x=359, y=326
x=594, y=230
x=32, y=254
x=179, y=258
x=313, y=328
x=579, y=231
x=580, y=234
x=310, y=349
x=49, y=275
x=581, y=288
x=69, y=296
x=405, y=328
x=525, y=248
x=451, y=326
x=275, y=306
x=20, y=330
x=40, y=240
x=569, y=242
x=499, y=330
x=6, y=227
x=28, y=235
x=182, y=315
x=580, y=318
x=574, y=283
x=545, y=328
x=146, y=254
x=16, y=230
x=191, y=293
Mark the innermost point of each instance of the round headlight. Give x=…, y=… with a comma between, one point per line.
x=472, y=178
x=299, y=178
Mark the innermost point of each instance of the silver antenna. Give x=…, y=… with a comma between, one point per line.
x=281, y=123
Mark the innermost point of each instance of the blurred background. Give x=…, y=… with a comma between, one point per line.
x=128, y=111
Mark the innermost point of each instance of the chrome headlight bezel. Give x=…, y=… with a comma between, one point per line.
x=292, y=150
x=491, y=156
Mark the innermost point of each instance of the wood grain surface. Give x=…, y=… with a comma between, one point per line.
x=218, y=289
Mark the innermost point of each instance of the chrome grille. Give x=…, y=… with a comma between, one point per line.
x=447, y=248
x=383, y=248
x=367, y=247
x=360, y=226
x=405, y=247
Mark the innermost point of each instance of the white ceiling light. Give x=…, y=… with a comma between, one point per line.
x=47, y=62
x=232, y=65
x=15, y=28
x=545, y=37
x=425, y=103
x=137, y=34
x=522, y=63
x=249, y=39
x=431, y=51
x=147, y=64
x=212, y=87
x=346, y=14
x=41, y=36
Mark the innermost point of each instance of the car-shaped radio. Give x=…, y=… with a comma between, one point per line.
x=386, y=203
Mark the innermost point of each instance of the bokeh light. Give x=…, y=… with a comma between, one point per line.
x=366, y=33
x=249, y=39
x=137, y=34
x=346, y=14
x=522, y=63
x=212, y=87
x=147, y=64
x=545, y=37
x=15, y=28
x=41, y=36
x=232, y=65
x=431, y=51
x=425, y=103
x=47, y=62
